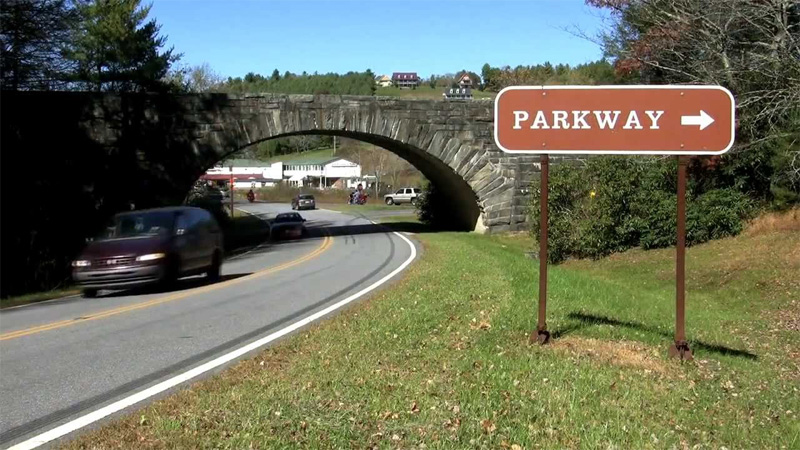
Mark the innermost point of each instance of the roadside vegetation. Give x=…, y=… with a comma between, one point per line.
x=610, y=204
x=369, y=207
x=441, y=359
x=38, y=297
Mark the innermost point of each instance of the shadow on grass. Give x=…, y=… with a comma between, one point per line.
x=180, y=285
x=587, y=320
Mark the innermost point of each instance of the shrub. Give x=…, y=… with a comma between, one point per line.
x=611, y=204
x=435, y=208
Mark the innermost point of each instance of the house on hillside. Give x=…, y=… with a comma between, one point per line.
x=405, y=79
x=466, y=82
x=383, y=81
x=246, y=173
x=457, y=93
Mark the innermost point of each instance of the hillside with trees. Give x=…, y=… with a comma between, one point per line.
x=351, y=83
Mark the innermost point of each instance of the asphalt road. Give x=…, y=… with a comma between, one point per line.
x=62, y=359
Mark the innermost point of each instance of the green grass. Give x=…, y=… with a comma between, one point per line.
x=426, y=92
x=37, y=297
x=411, y=218
x=442, y=359
x=347, y=208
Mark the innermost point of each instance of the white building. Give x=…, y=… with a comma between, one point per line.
x=321, y=173
x=247, y=173
x=336, y=173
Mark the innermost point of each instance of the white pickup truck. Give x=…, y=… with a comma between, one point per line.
x=404, y=195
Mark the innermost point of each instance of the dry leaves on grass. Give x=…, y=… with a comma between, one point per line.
x=618, y=353
x=488, y=426
x=482, y=325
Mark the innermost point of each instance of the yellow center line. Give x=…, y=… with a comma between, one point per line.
x=326, y=243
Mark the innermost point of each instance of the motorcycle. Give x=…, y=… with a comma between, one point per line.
x=362, y=199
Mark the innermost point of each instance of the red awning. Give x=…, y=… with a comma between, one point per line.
x=236, y=177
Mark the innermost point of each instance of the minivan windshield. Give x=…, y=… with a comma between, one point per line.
x=130, y=225
x=306, y=197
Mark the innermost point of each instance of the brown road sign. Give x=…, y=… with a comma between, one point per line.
x=644, y=119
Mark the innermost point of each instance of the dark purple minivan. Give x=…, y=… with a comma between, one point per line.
x=150, y=246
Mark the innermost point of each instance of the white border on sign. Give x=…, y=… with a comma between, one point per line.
x=617, y=152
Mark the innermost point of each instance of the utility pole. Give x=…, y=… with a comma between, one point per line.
x=334, y=146
x=231, y=189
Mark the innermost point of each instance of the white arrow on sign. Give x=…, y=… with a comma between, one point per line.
x=704, y=120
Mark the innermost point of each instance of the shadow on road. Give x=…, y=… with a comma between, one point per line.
x=319, y=229
x=583, y=320
x=180, y=285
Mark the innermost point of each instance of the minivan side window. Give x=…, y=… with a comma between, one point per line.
x=210, y=223
x=196, y=221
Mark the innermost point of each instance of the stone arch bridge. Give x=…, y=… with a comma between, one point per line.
x=138, y=147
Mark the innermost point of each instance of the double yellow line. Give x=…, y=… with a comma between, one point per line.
x=326, y=244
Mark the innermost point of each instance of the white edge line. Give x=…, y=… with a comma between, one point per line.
x=119, y=405
x=618, y=152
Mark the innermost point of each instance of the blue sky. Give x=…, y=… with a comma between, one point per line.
x=427, y=37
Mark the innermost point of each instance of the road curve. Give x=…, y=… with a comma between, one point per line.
x=62, y=359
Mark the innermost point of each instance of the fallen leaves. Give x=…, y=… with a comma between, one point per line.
x=488, y=426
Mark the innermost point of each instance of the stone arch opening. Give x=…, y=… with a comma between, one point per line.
x=466, y=208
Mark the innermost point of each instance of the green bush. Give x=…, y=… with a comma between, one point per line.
x=610, y=204
x=435, y=208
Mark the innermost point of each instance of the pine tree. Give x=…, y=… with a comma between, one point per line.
x=32, y=33
x=115, y=48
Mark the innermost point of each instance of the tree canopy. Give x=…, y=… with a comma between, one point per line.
x=32, y=33
x=351, y=83
x=750, y=47
x=115, y=48
x=100, y=45
x=597, y=72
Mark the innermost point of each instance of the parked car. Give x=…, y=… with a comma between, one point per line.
x=304, y=201
x=150, y=246
x=404, y=195
x=287, y=225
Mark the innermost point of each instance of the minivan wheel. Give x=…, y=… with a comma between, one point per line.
x=389, y=201
x=215, y=270
x=414, y=201
x=89, y=293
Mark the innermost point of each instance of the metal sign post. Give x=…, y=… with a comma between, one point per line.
x=542, y=335
x=230, y=191
x=681, y=120
x=680, y=349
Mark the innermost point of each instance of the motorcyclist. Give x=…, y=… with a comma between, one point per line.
x=357, y=194
x=251, y=196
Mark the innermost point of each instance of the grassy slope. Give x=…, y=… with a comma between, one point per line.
x=442, y=358
x=344, y=207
